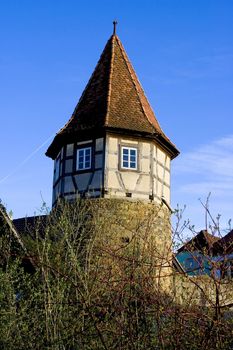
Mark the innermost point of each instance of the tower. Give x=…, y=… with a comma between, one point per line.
x=113, y=145
x=113, y=148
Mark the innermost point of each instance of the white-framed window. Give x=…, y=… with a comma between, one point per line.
x=84, y=158
x=129, y=158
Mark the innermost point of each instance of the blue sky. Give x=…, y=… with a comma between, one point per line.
x=183, y=55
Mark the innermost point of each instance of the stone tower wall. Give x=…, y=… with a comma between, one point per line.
x=133, y=236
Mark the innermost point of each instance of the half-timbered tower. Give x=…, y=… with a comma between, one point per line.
x=113, y=145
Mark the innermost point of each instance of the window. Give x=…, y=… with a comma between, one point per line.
x=129, y=158
x=84, y=158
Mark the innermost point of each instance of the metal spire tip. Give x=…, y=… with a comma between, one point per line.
x=114, y=27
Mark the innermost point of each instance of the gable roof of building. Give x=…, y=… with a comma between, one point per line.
x=224, y=245
x=113, y=100
x=7, y=225
x=202, y=242
x=16, y=247
x=31, y=225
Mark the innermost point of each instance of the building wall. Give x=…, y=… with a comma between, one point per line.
x=133, y=235
x=68, y=182
x=202, y=290
x=150, y=181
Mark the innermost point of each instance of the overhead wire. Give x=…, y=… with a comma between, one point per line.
x=25, y=160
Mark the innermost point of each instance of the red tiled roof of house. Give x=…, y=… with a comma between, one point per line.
x=112, y=100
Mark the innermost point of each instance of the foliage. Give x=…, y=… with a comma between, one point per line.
x=94, y=287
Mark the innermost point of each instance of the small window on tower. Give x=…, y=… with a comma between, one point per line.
x=84, y=158
x=129, y=158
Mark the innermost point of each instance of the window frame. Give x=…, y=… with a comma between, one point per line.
x=84, y=149
x=129, y=149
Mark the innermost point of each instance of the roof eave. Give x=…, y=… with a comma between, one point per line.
x=163, y=142
x=62, y=139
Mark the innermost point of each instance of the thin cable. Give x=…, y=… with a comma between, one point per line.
x=25, y=160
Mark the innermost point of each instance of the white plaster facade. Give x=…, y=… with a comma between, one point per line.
x=150, y=181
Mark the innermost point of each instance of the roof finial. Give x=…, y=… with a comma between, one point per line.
x=114, y=27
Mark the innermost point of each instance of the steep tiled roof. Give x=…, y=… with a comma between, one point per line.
x=112, y=100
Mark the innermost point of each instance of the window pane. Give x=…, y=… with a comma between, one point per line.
x=132, y=158
x=132, y=165
x=87, y=158
x=125, y=164
x=133, y=152
x=125, y=151
x=125, y=157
